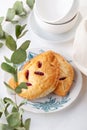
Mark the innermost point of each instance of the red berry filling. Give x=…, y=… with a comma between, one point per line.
x=39, y=64
x=27, y=74
x=28, y=84
x=39, y=73
x=63, y=78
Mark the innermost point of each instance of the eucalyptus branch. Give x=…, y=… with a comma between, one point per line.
x=17, y=10
x=19, y=54
x=14, y=116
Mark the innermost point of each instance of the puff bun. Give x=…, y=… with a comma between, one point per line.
x=47, y=72
x=42, y=73
x=66, y=76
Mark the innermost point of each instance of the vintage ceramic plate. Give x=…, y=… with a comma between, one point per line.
x=52, y=102
x=50, y=37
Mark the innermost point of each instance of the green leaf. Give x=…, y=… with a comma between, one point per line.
x=14, y=119
x=9, y=101
x=18, y=7
x=6, y=111
x=15, y=76
x=1, y=32
x=1, y=114
x=23, y=27
x=14, y=21
x=10, y=14
x=14, y=109
x=21, y=113
x=7, y=60
x=23, y=103
x=2, y=106
x=1, y=45
x=19, y=29
x=5, y=127
x=8, y=68
x=27, y=124
x=23, y=33
x=20, y=87
x=1, y=19
x=30, y=3
x=18, y=56
x=25, y=45
x=11, y=43
x=24, y=14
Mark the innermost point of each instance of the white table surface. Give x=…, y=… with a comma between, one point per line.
x=73, y=117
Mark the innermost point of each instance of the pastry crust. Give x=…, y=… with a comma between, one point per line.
x=42, y=73
x=66, y=76
x=47, y=72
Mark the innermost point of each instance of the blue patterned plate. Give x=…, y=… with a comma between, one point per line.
x=52, y=102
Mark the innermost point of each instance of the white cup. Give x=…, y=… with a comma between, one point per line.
x=56, y=11
x=56, y=28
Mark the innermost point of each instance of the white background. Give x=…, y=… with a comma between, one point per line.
x=83, y=2
x=72, y=118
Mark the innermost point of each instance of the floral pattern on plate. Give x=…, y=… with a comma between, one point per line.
x=50, y=104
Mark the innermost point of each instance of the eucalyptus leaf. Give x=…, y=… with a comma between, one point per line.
x=27, y=124
x=14, y=119
x=23, y=27
x=18, y=7
x=5, y=35
x=1, y=32
x=1, y=114
x=8, y=68
x=1, y=45
x=30, y=3
x=5, y=127
x=9, y=101
x=7, y=60
x=23, y=103
x=24, y=14
x=14, y=21
x=23, y=33
x=15, y=77
x=1, y=19
x=20, y=87
x=21, y=112
x=11, y=43
x=2, y=106
x=19, y=29
x=14, y=109
x=6, y=111
x=25, y=45
x=10, y=14
x=18, y=56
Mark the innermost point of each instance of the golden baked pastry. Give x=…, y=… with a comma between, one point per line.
x=41, y=75
x=66, y=76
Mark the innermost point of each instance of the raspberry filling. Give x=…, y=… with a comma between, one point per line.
x=63, y=78
x=39, y=73
x=27, y=74
x=28, y=84
x=39, y=64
